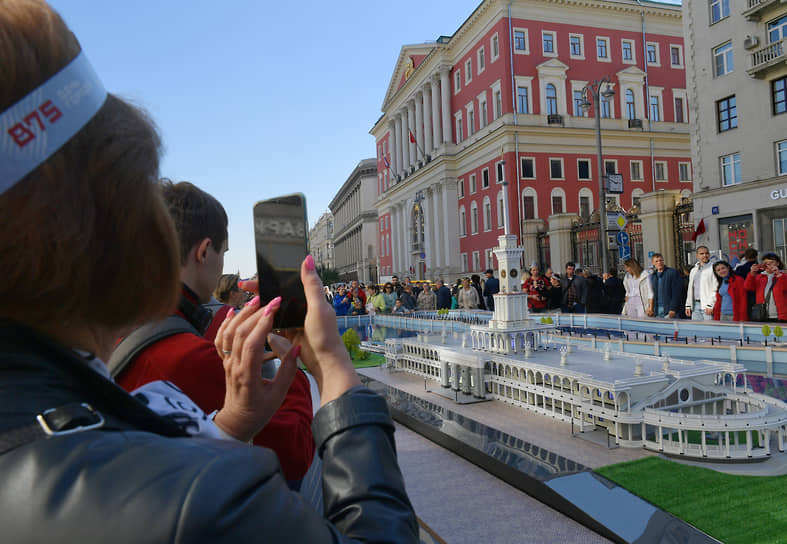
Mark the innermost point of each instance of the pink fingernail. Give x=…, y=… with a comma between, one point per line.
x=309, y=263
x=272, y=305
x=229, y=314
x=253, y=301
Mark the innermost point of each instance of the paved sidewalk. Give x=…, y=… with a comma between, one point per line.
x=464, y=504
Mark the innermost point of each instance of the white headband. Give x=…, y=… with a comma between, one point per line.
x=34, y=128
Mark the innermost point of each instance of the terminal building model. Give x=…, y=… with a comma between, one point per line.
x=688, y=408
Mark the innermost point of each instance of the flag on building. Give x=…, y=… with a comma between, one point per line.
x=412, y=137
x=387, y=164
x=699, y=230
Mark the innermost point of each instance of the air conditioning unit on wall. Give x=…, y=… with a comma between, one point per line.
x=751, y=42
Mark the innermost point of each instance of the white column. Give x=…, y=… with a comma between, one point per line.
x=427, y=96
x=430, y=225
x=405, y=141
x=434, y=232
x=445, y=95
x=404, y=224
x=437, y=133
x=419, y=131
x=411, y=128
x=447, y=241
x=399, y=158
x=392, y=147
x=394, y=238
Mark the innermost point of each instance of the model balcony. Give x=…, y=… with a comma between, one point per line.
x=768, y=58
x=755, y=8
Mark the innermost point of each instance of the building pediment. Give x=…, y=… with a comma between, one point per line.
x=410, y=58
x=552, y=67
x=631, y=74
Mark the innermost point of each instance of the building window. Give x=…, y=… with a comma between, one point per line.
x=636, y=170
x=529, y=207
x=777, y=29
x=520, y=40
x=487, y=215
x=521, y=99
x=727, y=113
x=631, y=111
x=472, y=184
x=627, y=48
x=462, y=222
x=499, y=172
x=548, y=43
x=485, y=178
x=495, y=47
x=719, y=9
x=660, y=170
x=655, y=109
x=476, y=261
x=575, y=44
x=557, y=204
x=460, y=188
x=781, y=157
x=605, y=109
x=551, y=94
x=464, y=262
x=484, y=119
x=684, y=171
x=722, y=59
x=779, y=92
x=679, y=110
x=481, y=60
x=457, y=80
x=528, y=167
x=731, y=169
x=459, y=128
x=653, y=54
x=474, y=218
x=555, y=168
x=676, y=56
x=498, y=104
x=470, y=119
x=584, y=207
x=500, y=210
x=468, y=71
x=602, y=48
x=578, y=104
x=610, y=167
x=583, y=168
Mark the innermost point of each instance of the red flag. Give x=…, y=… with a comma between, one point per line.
x=412, y=138
x=699, y=230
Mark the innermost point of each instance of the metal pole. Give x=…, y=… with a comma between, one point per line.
x=602, y=216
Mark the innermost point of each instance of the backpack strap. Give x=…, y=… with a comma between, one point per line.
x=146, y=335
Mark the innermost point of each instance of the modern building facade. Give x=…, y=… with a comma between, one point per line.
x=736, y=56
x=321, y=241
x=497, y=108
x=355, y=225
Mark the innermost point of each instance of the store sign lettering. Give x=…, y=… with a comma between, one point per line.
x=781, y=193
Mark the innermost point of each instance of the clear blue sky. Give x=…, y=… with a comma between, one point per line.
x=253, y=98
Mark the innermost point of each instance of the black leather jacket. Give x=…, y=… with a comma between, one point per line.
x=139, y=480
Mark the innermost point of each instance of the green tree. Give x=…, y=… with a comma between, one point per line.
x=329, y=276
x=766, y=331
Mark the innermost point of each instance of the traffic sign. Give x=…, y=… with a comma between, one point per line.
x=616, y=220
x=624, y=252
x=623, y=238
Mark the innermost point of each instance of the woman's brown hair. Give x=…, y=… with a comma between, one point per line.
x=85, y=237
x=227, y=283
x=634, y=265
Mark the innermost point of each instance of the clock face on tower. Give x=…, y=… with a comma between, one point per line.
x=503, y=274
x=513, y=272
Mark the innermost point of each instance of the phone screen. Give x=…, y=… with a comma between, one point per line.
x=281, y=239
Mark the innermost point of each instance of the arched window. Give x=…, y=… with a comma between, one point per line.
x=529, y=203
x=551, y=94
x=636, y=194
x=558, y=201
x=631, y=111
x=500, y=209
x=585, y=202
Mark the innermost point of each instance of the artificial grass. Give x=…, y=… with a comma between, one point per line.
x=373, y=359
x=733, y=509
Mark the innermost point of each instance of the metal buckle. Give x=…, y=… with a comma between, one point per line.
x=41, y=418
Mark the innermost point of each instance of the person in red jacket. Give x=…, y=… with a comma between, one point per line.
x=731, y=298
x=769, y=277
x=191, y=362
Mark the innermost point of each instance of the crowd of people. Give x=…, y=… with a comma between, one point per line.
x=405, y=297
x=708, y=290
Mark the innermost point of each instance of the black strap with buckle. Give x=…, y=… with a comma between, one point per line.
x=67, y=419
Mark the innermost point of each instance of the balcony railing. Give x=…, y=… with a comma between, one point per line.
x=554, y=119
x=767, y=57
x=754, y=8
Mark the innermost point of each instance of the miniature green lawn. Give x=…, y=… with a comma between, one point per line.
x=745, y=509
x=374, y=359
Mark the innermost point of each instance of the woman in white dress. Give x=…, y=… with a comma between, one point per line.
x=638, y=290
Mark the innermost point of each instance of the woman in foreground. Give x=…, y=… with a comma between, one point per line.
x=82, y=230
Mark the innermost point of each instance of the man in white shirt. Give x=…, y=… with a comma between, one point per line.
x=701, y=295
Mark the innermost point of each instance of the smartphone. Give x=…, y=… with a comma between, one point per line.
x=281, y=239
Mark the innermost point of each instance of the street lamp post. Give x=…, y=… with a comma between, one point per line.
x=593, y=89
